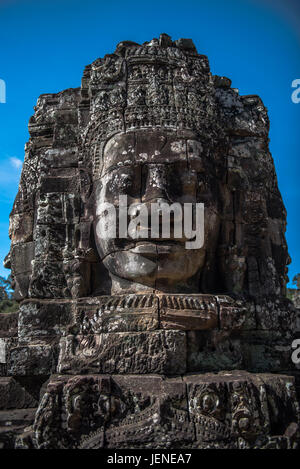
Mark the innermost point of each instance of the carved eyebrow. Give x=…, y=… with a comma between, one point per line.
x=171, y=161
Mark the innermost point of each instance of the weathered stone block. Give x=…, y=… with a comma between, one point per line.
x=186, y=44
x=188, y=312
x=8, y=324
x=61, y=158
x=147, y=412
x=41, y=321
x=50, y=242
x=267, y=350
x=59, y=184
x=239, y=408
x=47, y=280
x=116, y=411
x=14, y=396
x=213, y=351
x=232, y=313
x=12, y=424
x=140, y=352
x=6, y=344
x=277, y=315
x=224, y=410
x=58, y=208
x=21, y=257
x=128, y=313
x=21, y=227
x=32, y=360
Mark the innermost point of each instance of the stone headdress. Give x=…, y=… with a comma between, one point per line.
x=161, y=84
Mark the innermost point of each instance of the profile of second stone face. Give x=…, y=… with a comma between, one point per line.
x=151, y=170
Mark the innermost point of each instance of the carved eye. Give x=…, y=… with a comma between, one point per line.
x=120, y=183
x=189, y=179
x=125, y=181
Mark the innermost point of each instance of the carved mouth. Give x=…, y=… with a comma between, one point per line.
x=160, y=241
x=154, y=247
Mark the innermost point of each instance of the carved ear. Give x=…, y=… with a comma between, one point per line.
x=86, y=184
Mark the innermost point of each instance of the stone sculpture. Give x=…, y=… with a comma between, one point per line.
x=141, y=343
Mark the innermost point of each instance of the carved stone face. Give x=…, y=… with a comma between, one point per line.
x=153, y=167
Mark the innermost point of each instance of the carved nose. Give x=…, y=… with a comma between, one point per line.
x=158, y=207
x=158, y=219
x=156, y=184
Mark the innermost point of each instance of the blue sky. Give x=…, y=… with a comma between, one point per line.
x=45, y=46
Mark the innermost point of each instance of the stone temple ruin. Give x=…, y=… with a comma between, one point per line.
x=122, y=343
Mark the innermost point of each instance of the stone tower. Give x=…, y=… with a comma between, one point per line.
x=141, y=343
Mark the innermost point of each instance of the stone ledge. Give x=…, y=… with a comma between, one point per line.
x=14, y=396
x=225, y=410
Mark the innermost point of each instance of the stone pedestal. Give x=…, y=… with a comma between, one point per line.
x=224, y=410
x=147, y=371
